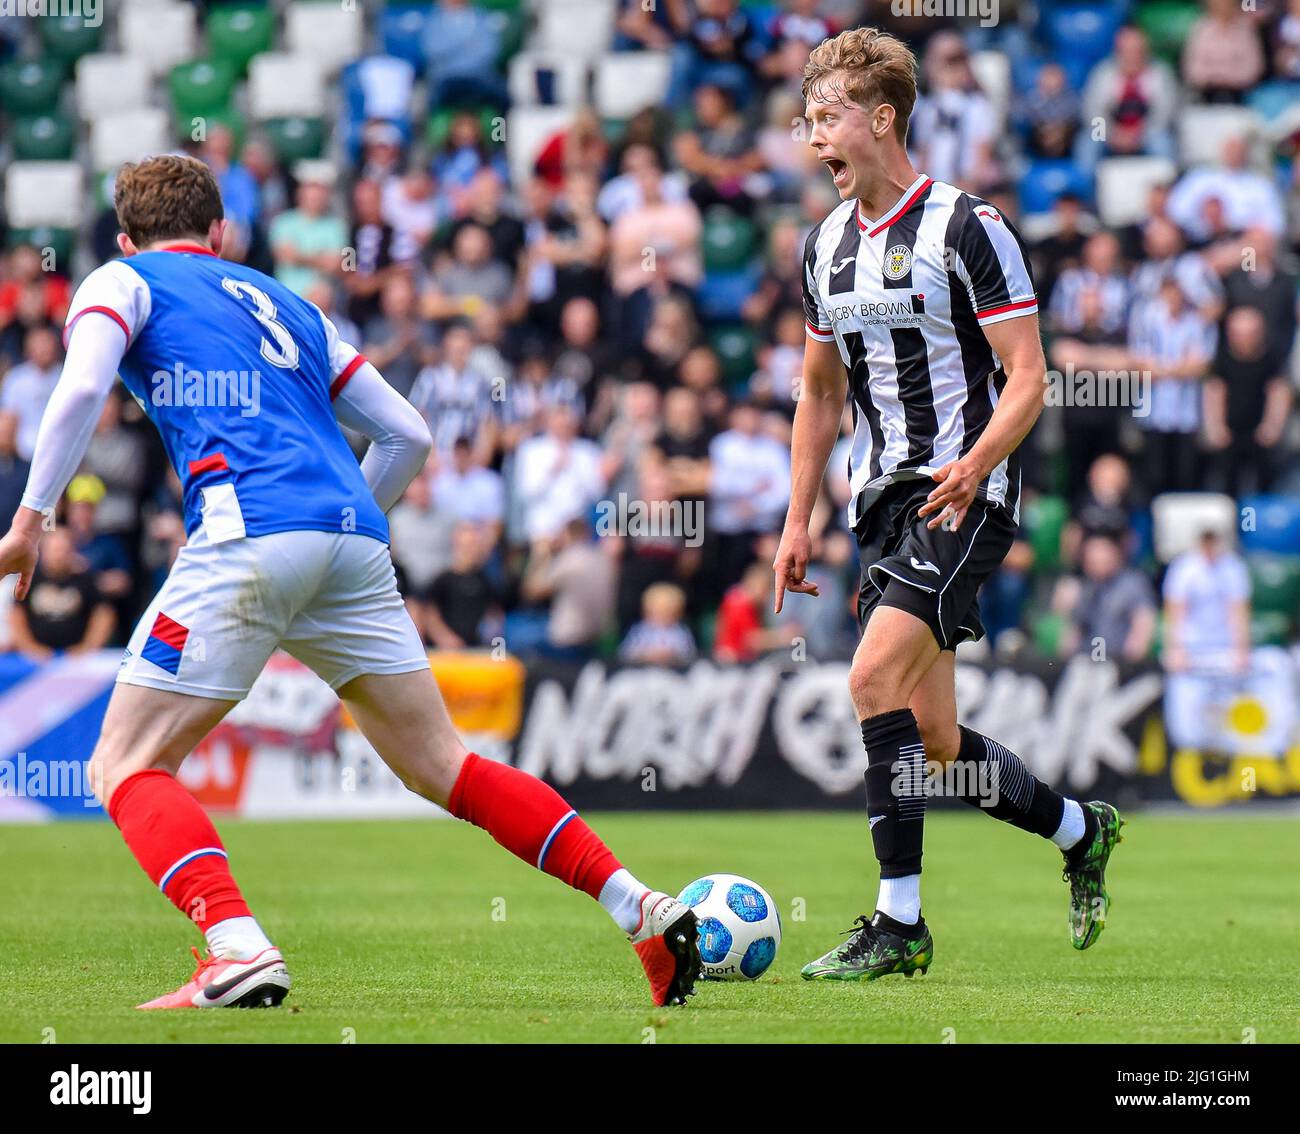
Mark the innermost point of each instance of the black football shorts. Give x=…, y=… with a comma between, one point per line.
x=933, y=574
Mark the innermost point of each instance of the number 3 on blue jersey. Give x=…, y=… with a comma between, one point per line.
x=282, y=351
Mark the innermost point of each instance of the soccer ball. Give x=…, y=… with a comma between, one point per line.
x=740, y=927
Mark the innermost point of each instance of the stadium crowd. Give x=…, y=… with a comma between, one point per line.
x=623, y=323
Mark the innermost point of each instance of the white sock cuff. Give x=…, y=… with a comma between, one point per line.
x=1072, y=825
x=900, y=898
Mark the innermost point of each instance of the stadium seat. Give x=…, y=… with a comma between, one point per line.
x=512, y=30
x=538, y=79
x=44, y=137
x=295, y=138
x=58, y=240
x=329, y=34
x=1271, y=523
x=1123, y=184
x=68, y=38
x=629, y=81
x=1046, y=179
x=379, y=86
x=581, y=29
x=1270, y=629
x=237, y=34
x=528, y=129
x=285, y=86
x=736, y=346
x=401, y=33
x=1081, y=34
x=1167, y=23
x=201, y=88
x=158, y=36
x=30, y=86
x=1044, y=519
x=728, y=241
x=40, y=193
x=722, y=294
x=128, y=136
x=992, y=70
x=109, y=84
x=1275, y=583
x=1202, y=130
x=1180, y=517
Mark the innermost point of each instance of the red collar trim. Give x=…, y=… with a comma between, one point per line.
x=198, y=249
x=921, y=184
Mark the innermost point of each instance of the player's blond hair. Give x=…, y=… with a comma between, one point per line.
x=168, y=197
x=867, y=67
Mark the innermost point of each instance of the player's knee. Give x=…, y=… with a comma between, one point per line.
x=875, y=688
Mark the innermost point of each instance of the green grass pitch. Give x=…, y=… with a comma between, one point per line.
x=426, y=931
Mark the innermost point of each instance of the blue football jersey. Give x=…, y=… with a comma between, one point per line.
x=238, y=374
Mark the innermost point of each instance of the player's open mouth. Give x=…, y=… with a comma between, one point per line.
x=839, y=169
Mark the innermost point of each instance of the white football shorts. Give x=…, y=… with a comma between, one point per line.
x=328, y=598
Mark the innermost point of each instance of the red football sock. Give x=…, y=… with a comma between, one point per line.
x=175, y=842
x=533, y=822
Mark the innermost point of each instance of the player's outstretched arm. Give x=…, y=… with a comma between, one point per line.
x=399, y=438
x=94, y=352
x=816, y=428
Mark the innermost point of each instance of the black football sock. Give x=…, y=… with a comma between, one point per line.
x=996, y=781
x=895, y=791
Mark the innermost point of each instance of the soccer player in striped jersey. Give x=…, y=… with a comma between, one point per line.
x=921, y=311
x=287, y=547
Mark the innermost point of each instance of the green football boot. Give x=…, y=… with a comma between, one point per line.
x=1089, y=901
x=877, y=947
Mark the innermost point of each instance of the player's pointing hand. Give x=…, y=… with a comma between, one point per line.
x=958, y=481
x=791, y=565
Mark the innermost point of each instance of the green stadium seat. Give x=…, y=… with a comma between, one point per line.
x=1275, y=584
x=58, y=239
x=729, y=240
x=68, y=38
x=512, y=7
x=236, y=34
x=201, y=88
x=44, y=137
x=31, y=86
x=1270, y=629
x=296, y=138
x=513, y=27
x=1047, y=630
x=736, y=347
x=1167, y=23
x=1045, y=518
x=439, y=123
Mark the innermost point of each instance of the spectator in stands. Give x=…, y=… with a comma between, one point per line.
x=381, y=153
x=397, y=340
x=1286, y=43
x=456, y=398
x=1223, y=56
x=1247, y=402
x=719, y=154
x=413, y=206
x=463, y=156
x=1048, y=119
x=1164, y=257
x=461, y=46
x=1250, y=198
x=623, y=193
x=325, y=294
x=462, y=599
x=103, y=553
x=30, y=314
x=1135, y=97
x=1258, y=281
x=27, y=387
x=63, y=613
x=585, y=357
x=558, y=476
x=470, y=492
x=1062, y=246
x=529, y=399
x=566, y=242
x=721, y=44
x=13, y=469
x=661, y=637
x=1101, y=273
x=781, y=144
x=377, y=253
x=1110, y=609
x=421, y=530
x=1131, y=236
x=119, y=457
x=578, y=147
x=683, y=444
x=27, y=269
x=741, y=634
x=308, y=240
x=640, y=26
x=775, y=385
x=794, y=32
x=468, y=279
x=1103, y=507
x=239, y=191
x=1174, y=344
x=955, y=128
x=575, y=576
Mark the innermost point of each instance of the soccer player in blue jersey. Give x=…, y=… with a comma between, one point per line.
x=287, y=547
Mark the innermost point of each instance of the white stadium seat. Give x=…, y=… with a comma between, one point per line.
x=1123, y=184
x=1202, y=130
x=44, y=193
x=284, y=86
x=1180, y=517
x=107, y=84
x=993, y=73
x=629, y=81
x=538, y=79
x=159, y=36
x=581, y=29
x=331, y=34
x=129, y=136
x=528, y=128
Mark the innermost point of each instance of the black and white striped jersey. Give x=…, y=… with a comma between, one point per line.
x=906, y=297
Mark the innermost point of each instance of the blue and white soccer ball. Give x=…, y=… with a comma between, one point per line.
x=740, y=927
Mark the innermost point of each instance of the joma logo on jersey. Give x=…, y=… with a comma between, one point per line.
x=900, y=310
x=218, y=389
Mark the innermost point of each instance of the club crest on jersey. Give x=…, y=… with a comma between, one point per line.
x=898, y=262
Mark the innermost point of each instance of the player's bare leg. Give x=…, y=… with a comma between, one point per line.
x=146, y=735
x=405, y=720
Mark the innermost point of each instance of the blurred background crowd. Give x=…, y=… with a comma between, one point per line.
x=570, y=232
